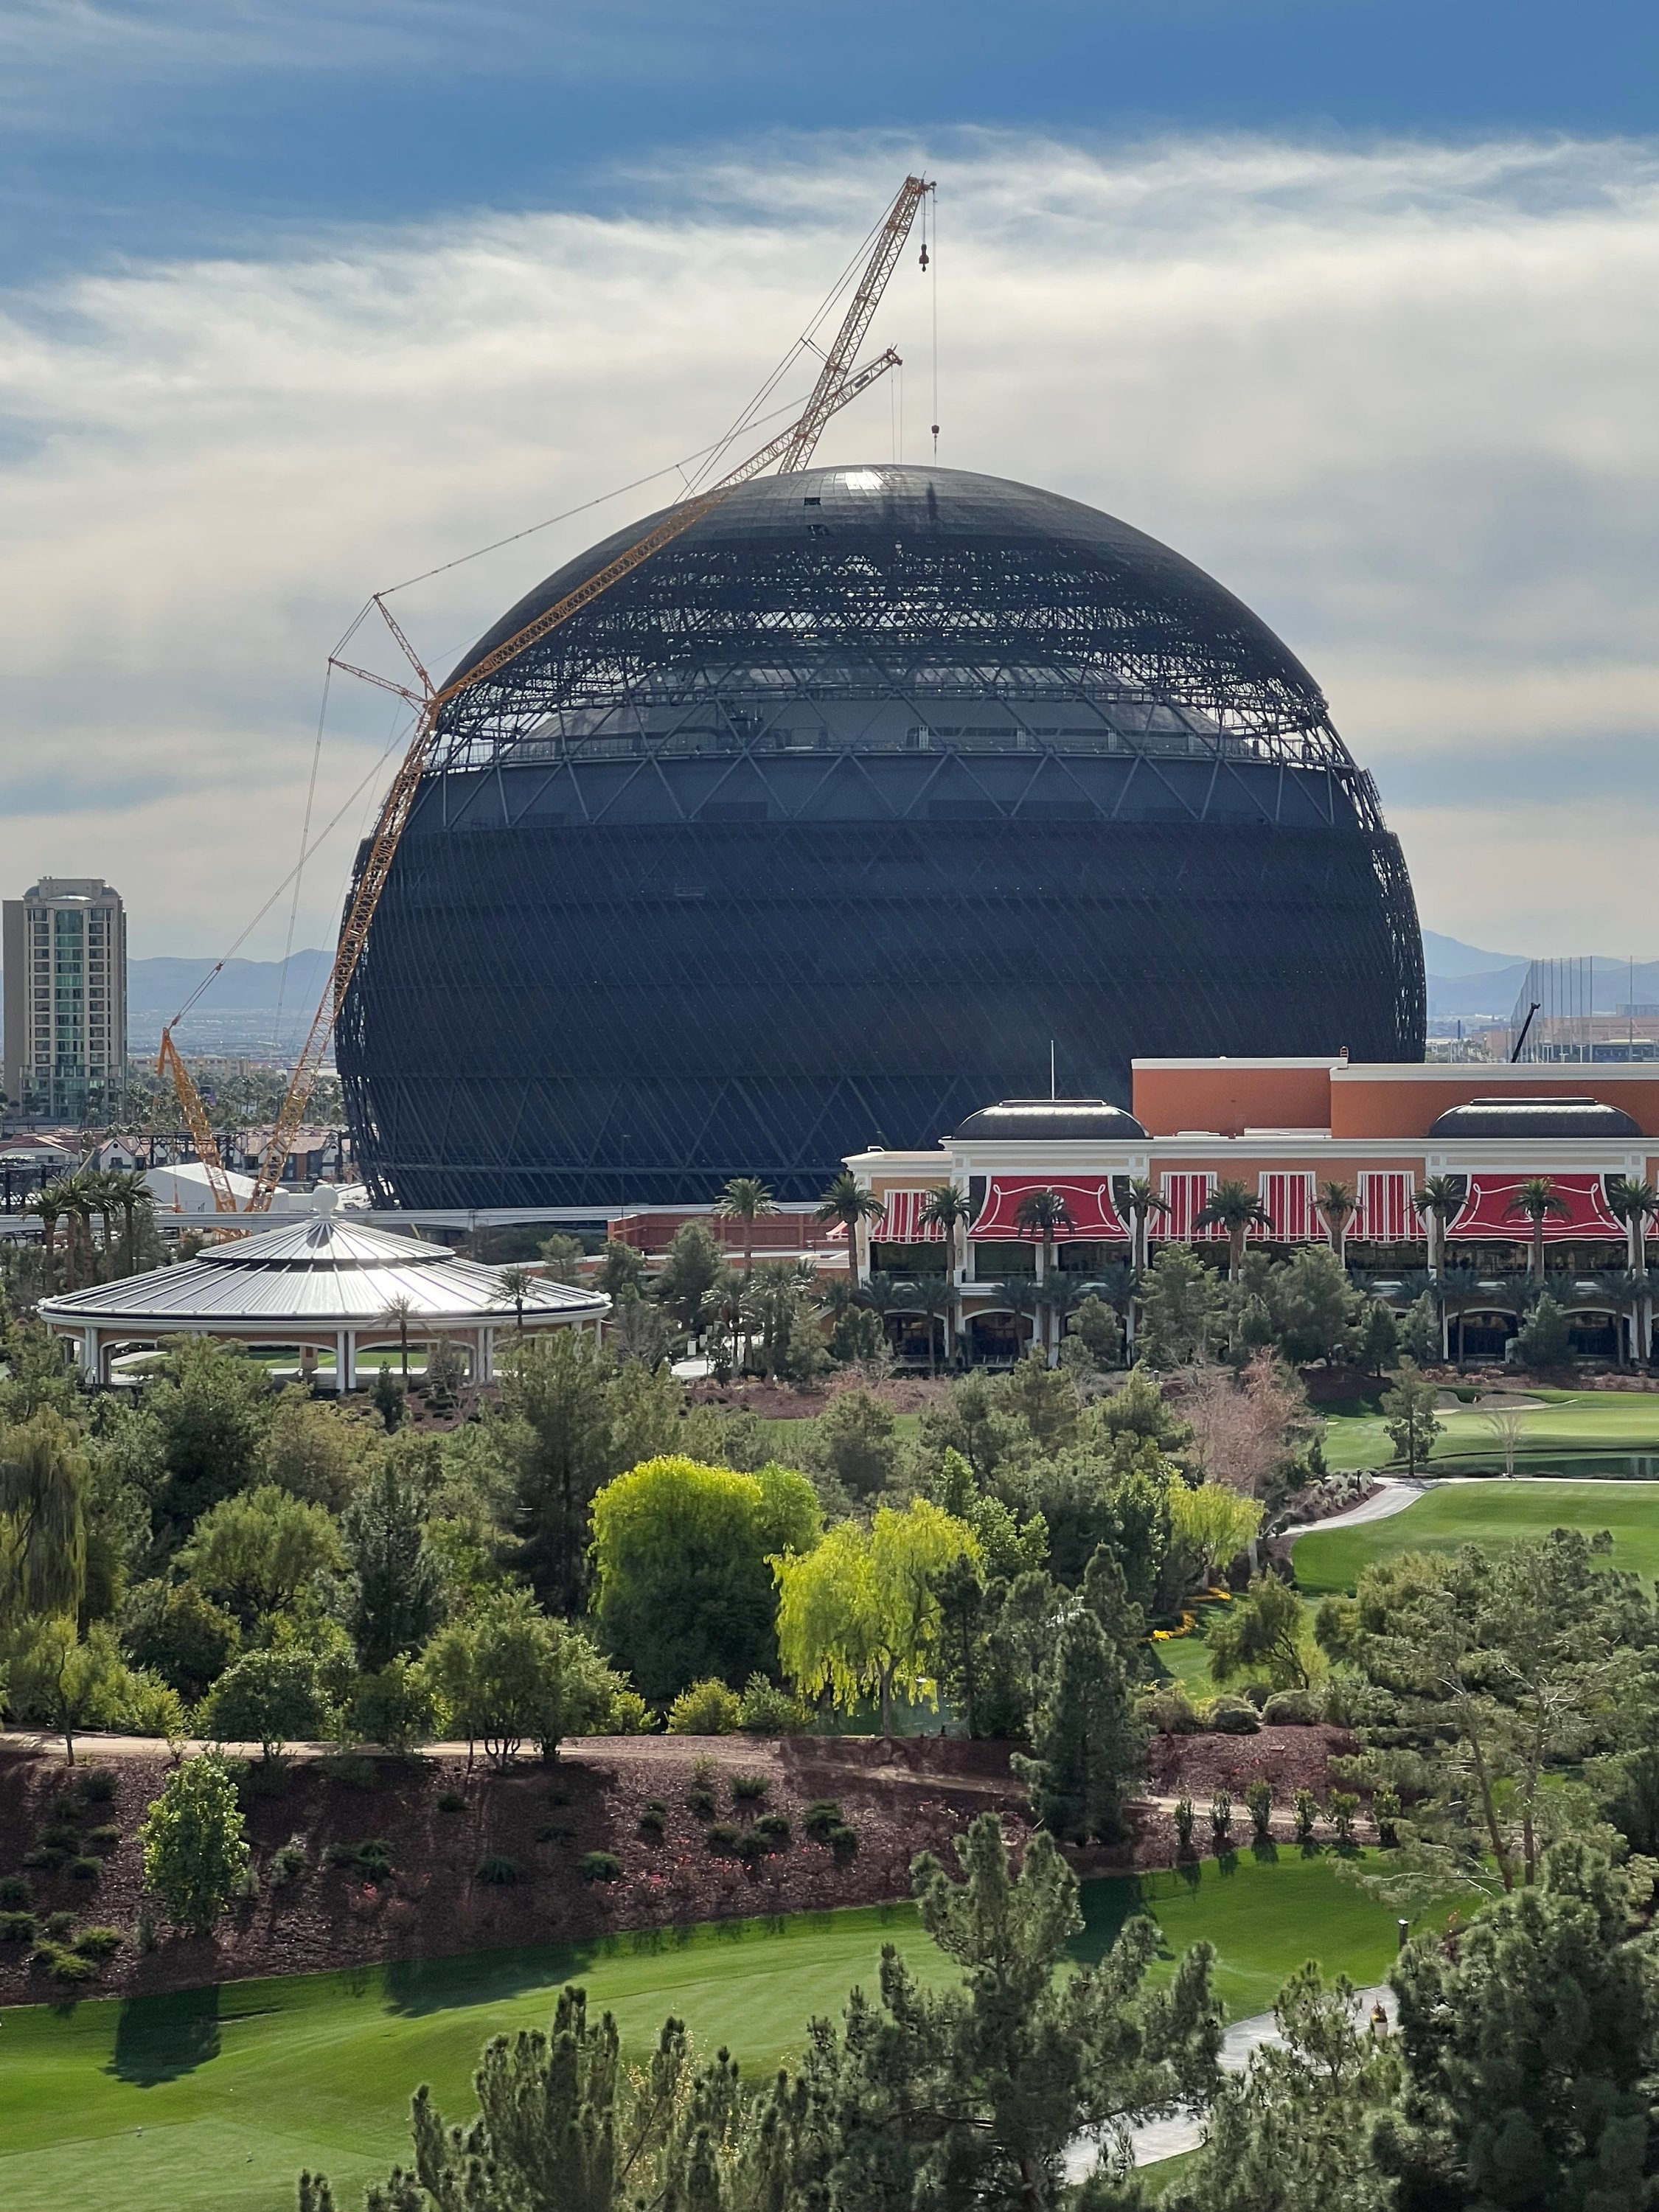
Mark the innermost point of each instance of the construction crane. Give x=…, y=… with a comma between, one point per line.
x=838, y=384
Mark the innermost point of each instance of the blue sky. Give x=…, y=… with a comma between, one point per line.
x=183, y=127
x=1352, y=302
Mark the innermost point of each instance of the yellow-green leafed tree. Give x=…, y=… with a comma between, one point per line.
x=860, y=1615
x=1212, y=1524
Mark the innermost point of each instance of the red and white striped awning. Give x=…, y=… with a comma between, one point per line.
x=1386, y=1214
x=1186, y=1196
x=1287, y=1199
x=1486, y=1210
x=903, y=1222
x=1088, y=1199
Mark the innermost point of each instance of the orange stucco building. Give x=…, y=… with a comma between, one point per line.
x=1287, y=1130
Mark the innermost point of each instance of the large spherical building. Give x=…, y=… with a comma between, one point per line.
x=816, y=830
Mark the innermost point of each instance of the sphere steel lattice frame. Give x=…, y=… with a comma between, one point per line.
x=819, y=828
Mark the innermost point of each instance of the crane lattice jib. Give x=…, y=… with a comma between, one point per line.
x=399, y=803
x=803, y=439
x=196, y=1120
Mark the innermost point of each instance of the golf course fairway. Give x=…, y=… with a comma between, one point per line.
x=216, y=2098
x=1487, y=1512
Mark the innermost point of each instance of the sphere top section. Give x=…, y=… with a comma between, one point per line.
x=877, y=607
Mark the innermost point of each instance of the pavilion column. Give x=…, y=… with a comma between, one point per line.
x=343, y=1341
x=486, y=1355
x=90, y=1367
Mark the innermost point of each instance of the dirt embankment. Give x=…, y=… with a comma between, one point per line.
x=484, y=1860
x=481, y=1861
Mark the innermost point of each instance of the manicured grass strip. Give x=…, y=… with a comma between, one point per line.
x=1494, y=1512
x=236, y=2090
x=1594, y=1421
x=1265, y=1911
x=217, y=2098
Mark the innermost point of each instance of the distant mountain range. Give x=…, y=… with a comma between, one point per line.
x=238, y=1013
x=1468, y=984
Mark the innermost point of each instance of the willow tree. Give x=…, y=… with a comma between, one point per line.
x=860, y=1616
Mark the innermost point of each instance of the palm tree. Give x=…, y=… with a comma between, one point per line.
x=1439, y=1201
x=1462, y=1290
x=1044, y=1214
x=947, y=1209
x=1021, y=1295
x=1635, y=1204
x=82, y=1200
x=101, y=1194
x=129, y=1191
x=1062, y=1294
x=1623, y=1292
x=397, y=1315
x=935, y=1297
x=1145, y=1199
x=1339, y=1205
x=848, y=1202
x=1235, y=1208
x=1539, y=1200
x=723, y=1308
x=48, y=1205
x=746, y=1198
x=513, y=1283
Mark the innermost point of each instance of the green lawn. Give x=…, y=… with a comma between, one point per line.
x=1570, y=1421
x=217, y=2098
x=1487, y=1513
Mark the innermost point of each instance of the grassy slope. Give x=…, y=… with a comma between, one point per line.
x=1571, y=1421
x=1487, y=1513
x=217, y=2098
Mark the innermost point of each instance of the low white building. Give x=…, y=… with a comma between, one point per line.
x=317, y=1284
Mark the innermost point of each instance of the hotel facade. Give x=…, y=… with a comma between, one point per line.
x=1285, y=1128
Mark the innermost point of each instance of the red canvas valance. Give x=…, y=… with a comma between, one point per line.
x=1089, y=1201
x=902, y=1222
x=1287, y=1199
x=1486, y=1210
x=1387, y=1215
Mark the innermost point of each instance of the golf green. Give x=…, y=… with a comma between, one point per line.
x=1566, y=1422
x=217, y=2098
x=1490, y=1512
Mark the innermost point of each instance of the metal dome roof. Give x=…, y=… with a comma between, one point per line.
x=313, y=1273
x=864, y=582
x=1535, y=1117
x=1025, y=1121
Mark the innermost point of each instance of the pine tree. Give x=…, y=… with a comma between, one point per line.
x=1085, y=1740
x=1530, y=2047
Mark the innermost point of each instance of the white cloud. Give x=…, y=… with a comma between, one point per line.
x=1398, y=399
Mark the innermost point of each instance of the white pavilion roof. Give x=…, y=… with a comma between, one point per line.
x=320, y=1271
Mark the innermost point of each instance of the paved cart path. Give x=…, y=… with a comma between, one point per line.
x=1155, y=2140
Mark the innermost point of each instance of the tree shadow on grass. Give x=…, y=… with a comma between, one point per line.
x=158, y=2038
x=423, y=1986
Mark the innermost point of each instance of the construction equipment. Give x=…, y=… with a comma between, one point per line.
x=196, y=1120
x=791, y=450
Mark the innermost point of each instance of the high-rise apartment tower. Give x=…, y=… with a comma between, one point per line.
x=64, y=957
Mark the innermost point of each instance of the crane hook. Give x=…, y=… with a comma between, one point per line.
x=924, y=253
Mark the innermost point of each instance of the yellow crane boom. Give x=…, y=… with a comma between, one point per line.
x=201, y=1131
x=791, y=450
